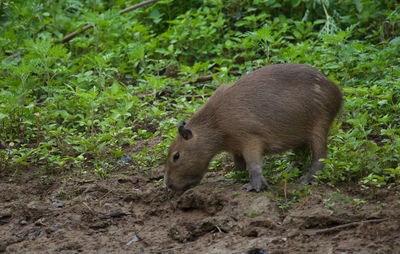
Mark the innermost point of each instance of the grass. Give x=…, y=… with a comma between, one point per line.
x=79, y=105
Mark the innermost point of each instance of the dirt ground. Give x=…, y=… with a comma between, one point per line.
x=133, y=213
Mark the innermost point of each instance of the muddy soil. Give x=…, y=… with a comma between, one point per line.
x=133, y=213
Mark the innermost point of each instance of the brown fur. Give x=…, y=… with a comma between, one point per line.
x=268, y=111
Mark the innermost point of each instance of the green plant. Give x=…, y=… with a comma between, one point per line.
x=83, y=104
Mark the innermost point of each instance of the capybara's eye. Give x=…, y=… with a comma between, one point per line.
x=176, y=156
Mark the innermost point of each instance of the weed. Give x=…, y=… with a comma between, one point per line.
x=81, y=105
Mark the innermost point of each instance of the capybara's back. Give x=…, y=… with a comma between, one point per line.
x=285, y=105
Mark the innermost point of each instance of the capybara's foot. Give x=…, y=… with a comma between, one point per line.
x=257, y=184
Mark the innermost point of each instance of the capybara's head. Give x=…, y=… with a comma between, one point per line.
x=188, y=159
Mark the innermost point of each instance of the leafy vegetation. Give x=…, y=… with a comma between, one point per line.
x=81, y=104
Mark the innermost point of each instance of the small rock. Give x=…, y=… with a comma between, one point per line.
x=279, y=240
x=40, y=222
x=250, y=232
x=70, y=247
x=23, y=222
x=5, y=217
x=75, y=217
x=124, y=180
x=52, y=229
x=287, y=220
x=37, y=209
x=99, y=225
x=36, y=205
x=115, y=214
x=58, y=204
x=266, y=223
x=5, y=213
x=132, y=240
x=125, y=159
x=132, y=197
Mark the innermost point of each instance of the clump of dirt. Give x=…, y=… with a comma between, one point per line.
x=201, y=198
x=133, y=213
x=184, y=231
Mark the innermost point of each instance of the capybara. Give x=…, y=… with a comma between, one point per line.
x=271, y=110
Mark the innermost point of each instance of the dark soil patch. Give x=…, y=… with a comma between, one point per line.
x=134, y=214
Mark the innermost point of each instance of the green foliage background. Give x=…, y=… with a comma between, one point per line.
x=80, y=104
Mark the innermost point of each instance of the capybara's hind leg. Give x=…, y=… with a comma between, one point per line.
x=240, y=163
x=318, y=151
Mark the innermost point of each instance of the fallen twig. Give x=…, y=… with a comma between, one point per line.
x=88, y=207
x=137, y=6
x=72, y=35
x=87, y=27
x=343, y=226
x=143, y=95
x=15, y=55
x=200, y=79
x=207, y=78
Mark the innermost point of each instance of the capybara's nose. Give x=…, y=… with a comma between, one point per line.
x=168, y=183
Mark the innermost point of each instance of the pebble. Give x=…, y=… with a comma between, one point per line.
x=58, y=204
x=125, y=159
x=134, y=239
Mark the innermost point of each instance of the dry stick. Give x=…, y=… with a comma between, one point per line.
x=198, y=80
x=143, y=95
x=72, y=35
x=87, y=27
x=88, y=207
x=344, y=226
x=15, y=55
x=201, y=79
x=137, y=6
x=207, y=78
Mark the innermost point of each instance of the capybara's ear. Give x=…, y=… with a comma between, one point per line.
x=186, y=133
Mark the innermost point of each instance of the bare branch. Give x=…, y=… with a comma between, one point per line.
x=201, y=79
x=206, y=78
x=72, y=35
x=344, y=226
x=87, y=27
x=137, y=6
x=15, y=55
